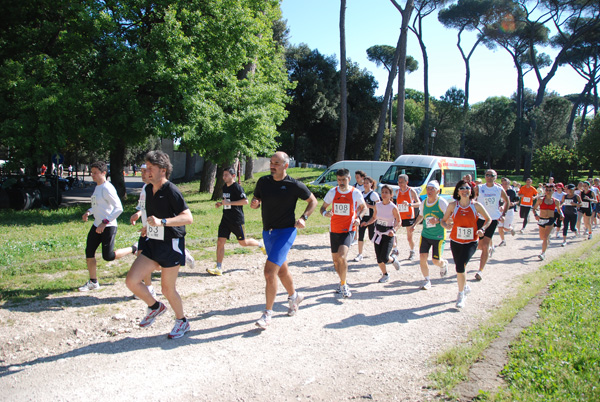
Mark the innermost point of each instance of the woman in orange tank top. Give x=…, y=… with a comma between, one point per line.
x=547, y=205
x=461, y=218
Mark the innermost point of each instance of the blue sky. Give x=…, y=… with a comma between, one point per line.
x=377, y=22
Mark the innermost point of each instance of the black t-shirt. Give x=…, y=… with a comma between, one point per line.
x=512, y=196
x=168, y=202
x=278, y=200
x=233, y=213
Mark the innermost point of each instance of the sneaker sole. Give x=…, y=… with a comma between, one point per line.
x=178, y=335
x=478, y=277
x=260, y=326
x=154, y=319
x=292, y=312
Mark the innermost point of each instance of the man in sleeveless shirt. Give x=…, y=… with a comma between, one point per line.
x=490, y=194
x=407, y=201
x=347, y=207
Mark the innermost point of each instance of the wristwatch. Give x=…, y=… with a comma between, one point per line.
x=105, y=221
x=164, y=221
x=304, y=217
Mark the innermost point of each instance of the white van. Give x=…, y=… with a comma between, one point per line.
x=373, y=169
x=421, y=169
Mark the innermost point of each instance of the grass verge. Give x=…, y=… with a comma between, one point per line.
x=562, y=337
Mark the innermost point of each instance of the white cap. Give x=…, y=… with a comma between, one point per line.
x=143, y=166
x=434, y=184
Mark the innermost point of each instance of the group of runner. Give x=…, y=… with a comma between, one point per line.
x=471, y=217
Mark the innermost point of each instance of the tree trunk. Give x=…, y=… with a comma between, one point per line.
x=579, y=101
x=190, y=166
x=343, y=88
x=520, y=107
x=117, y=162
x=217, y=194
x=426, y=130
x=207, y=183
x=249, y=168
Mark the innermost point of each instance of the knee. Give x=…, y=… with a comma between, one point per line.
x=109, y=256
x=168, y=291
x=221, y=242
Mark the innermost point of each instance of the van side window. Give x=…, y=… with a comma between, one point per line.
x=437, y=175
x=451, y=177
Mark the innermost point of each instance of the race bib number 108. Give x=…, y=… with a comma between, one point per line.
x=341, y=209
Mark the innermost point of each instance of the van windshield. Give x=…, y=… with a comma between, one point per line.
x=416, y=175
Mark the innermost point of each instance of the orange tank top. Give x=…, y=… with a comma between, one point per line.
x=405, y=212
x=464, y=229
x=344, y=212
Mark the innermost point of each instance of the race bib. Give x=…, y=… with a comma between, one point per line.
x=142, y=205
x=403, y=207
x=568, y=202
x=465, y=233
x=226, y=198
x=156, y=232
x=94, y=201
x=490, y=201
x=341, y=209
x=527, y=200
x=382, y=223
x=542, y=222
x=585, y=204
x=430, y=222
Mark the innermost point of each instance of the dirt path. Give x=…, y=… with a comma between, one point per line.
x=377, y=345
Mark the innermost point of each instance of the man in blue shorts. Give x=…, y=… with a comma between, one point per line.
x=278, y=195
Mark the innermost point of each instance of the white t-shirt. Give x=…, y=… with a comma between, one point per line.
x=357, y=196
x=105, y=204
x=490, y=197
x=141, y=206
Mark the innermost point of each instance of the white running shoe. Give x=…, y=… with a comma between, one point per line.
x=444, y=268
x=396, y=264
x=542, y=257
x=180, y=328
x=460, y=301
x=564, y=243
x=412, y=255
x=479, y=276
x=512, y=231
x=384, y=278
x=90, y=286
x=589, y=236
x=190, y=261
x=521, y=231
x=264, y=321
x=502, y=244
x=467, y=290
x=294, y=304
x=152, y=314
x=491, y=251
x=426, y=285
x=358, y=258
x=395, y=252
x=346, y=291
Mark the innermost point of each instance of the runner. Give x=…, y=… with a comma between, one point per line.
x=569, y=207
x=465, y=231
x=587, y=198
x=490, y=195
x=596, y=205
x=558, y=195
x=407, y=200
x=233, y=220
x=547, y=205
x=386, y=219
x=579, y=213
x=278, y=194
x=106, y=208
x=164, y=248
x=527, y=194
x=433, y=235
x=360, y=176
x=506, y=224
x=371, y=198
x=348, y=206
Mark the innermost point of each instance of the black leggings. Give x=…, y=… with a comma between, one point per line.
x=383, y=249
x=107, y=238
x=462, y=253
x=524, y=214
x=570, y=220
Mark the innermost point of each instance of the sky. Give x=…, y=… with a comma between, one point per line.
x=377, y=22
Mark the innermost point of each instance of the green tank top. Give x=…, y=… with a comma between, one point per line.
x=432, y=231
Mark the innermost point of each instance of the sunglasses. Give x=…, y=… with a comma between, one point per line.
x=464, y=188
x=490, y=175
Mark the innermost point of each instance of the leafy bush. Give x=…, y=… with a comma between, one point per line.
x=319, y=191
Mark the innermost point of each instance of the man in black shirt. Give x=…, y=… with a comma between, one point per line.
x=234, y=199
x=164, y=249
x=278, y=195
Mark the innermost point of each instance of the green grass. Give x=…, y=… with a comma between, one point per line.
x=42, y=251
x=558, y=357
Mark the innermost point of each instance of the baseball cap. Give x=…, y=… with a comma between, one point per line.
x=434, y=184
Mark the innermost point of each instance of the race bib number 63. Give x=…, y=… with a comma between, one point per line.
x=156, y=232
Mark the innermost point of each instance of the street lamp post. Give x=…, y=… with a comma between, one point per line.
x=433, y=134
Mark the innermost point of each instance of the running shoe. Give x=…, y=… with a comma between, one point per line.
x=460, y=301
x=396, y=264
x=384, y=278
x=542, y=257
x=478, y=276
x=354, y=242
x=358, y=258
x=467, y=290
x=512, y=231
x=264, y=321
x=444, y=268
x=491, y=251
x=180, y=328
x=412, y=255
x=215, y=271
x=395, y=252
x=152, y=314
x=590, y=236
x=134, y=248
x=502, y=244
x=426, y=285
x=564, y=243
x=261, y=245
x=189, y=259
x=294, y=304
x=346, y=291
x=558, y=234
x=90, y=286
x=521, y=231
x=339, y=289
